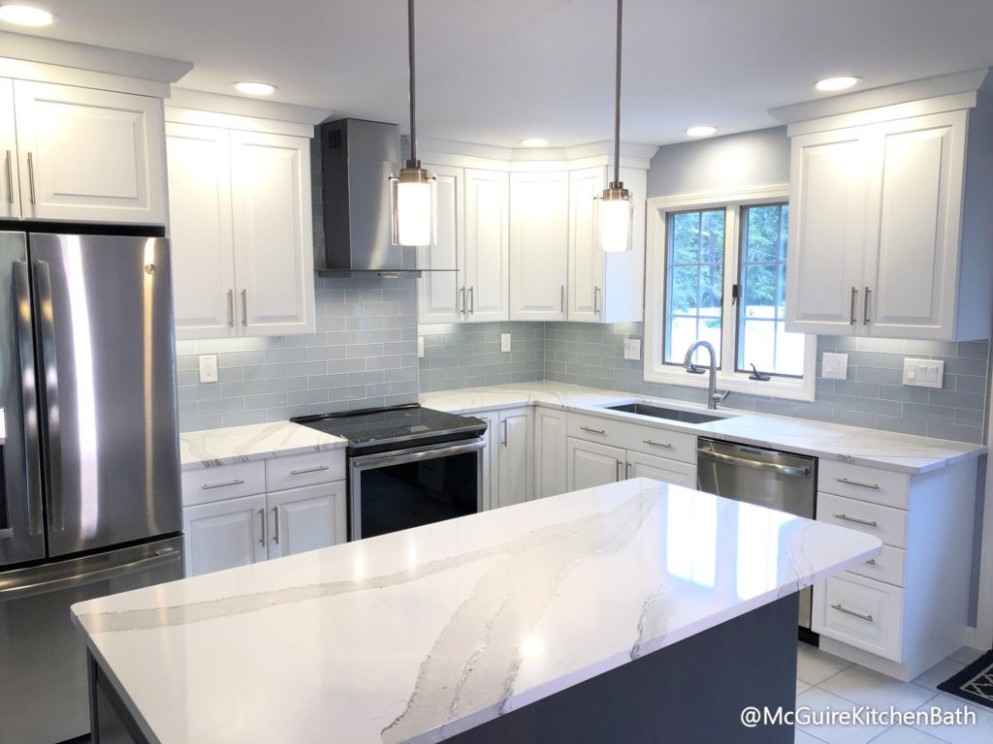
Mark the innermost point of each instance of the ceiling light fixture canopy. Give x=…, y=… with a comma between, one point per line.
x=413, y=192
x=25, y=15
x=616, y=208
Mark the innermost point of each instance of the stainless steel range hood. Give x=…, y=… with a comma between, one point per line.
x=358, y=157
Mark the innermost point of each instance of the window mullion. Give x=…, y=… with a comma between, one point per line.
x=729, y=310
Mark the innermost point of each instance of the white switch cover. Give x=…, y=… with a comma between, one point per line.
x=632, y=348
x=208, y=368
x=420, y=347
x=834, y=366
x=504, y=342
x=923, y=373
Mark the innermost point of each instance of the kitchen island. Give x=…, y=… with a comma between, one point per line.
x=609, y=614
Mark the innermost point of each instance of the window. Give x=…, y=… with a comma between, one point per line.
x=717, y=273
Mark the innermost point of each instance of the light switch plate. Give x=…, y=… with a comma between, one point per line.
x=504, y=342
x=834, y=366
x=420, y=347
x=208, y=368
x=928, y=373
x=632, y=348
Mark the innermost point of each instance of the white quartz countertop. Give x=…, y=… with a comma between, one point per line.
x=872, y=447
x=421, y=634
x=212, y=447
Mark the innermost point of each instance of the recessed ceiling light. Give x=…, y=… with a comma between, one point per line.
x=25, y=15
x=255, y=89
x=837, y=83
x=534, y=142
x=701, y=131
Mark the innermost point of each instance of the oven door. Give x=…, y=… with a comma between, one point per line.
x=392, y=491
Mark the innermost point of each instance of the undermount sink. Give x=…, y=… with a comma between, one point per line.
x=672, y=414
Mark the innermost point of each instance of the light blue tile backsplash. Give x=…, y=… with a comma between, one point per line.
x=467, y=355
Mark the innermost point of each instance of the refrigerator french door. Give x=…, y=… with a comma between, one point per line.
x=90, y=459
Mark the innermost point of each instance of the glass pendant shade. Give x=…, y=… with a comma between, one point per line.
x=615, y=218
x=413, y=207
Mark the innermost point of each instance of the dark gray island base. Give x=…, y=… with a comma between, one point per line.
x=691, y=692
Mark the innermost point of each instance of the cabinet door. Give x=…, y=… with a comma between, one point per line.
x=549, y=453
x=539, y=245
x=10, y=205
x=912, y=262
x=224, y=534
x=89, y=154
x=591, y=464
x=513, y=439
x=487, y=247
x=660, y=469
x=200, y=231
x=623, y=298
x=308, y=518
x=586, y=263
x=828, y=195
x=273, y=234
x=490, y=457
x=441, y=294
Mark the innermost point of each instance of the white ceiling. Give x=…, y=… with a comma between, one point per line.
x=494, y=71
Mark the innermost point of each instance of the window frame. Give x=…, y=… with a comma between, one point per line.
x=655, y=370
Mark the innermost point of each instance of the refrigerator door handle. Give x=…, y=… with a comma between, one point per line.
x=50, y=373
x=31, y=588
x=29, y=398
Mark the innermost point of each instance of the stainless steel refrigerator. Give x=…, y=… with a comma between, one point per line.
x=89, y=486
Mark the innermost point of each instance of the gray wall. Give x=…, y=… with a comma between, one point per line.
x=469, y=355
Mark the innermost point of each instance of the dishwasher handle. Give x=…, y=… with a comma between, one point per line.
x=789, y=470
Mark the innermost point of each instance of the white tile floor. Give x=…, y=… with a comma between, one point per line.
x=825, y=681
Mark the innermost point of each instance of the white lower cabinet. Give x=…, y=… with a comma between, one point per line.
x=511, y=458
x=640, y=465
x=550, y=456
x=304, y=510
x=591, y=464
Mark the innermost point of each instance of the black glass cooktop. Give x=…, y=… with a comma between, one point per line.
x=394, y=428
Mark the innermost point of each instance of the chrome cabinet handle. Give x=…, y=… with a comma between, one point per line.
x=231, y=308
x=10, y=179
x=653, y=443
x=45, y=313
x=873, y=486
x=461, y=302
x=853, y=613
x=865, y=307
x=225, y=484
x=31, y=176
x=262, y=523
x=472, y=300
x=851, y=309
x=592, y=431
x=29, y=397
x=627, y=470
x=317, y=469
x=561, y=296
x=244, y=307
x=617, y=474
x=866, y=522
x=596, y=296
x=275, y=530
x=504, y=442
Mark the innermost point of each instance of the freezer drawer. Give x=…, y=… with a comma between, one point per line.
x=43, y=694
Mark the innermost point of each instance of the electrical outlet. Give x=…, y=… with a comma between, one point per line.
x=420, y=347
x=632, y=348
x=504, y=342
x=834, y=366
x=927, y=373
x=208, y=368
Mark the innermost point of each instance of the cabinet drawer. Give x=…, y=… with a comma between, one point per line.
x=651, y=440
x=204, y=485
x=886, y=567
x=889, y=525
x=304, y=470
x=862, y=613
x=866, y=484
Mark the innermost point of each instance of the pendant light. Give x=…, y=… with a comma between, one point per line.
x=616, y=206
x=413, y=191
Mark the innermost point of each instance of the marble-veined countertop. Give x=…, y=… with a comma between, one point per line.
x=871, y=447
x=421, y=634
x=213, y=447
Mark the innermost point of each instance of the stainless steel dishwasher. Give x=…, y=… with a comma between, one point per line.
x=778, y=480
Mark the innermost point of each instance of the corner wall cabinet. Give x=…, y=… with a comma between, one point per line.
x=249, y=512
x=539, y=245
x=80, y=154
x=241, y=230
x=889, y=227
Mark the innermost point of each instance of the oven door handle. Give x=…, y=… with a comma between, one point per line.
x=416, y=454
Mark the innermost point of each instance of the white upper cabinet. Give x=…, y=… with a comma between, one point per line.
x=539, y=245
x=883, y=238
x=440, y=294
x=81, y=154
x=487, y=253
x=240, y=225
